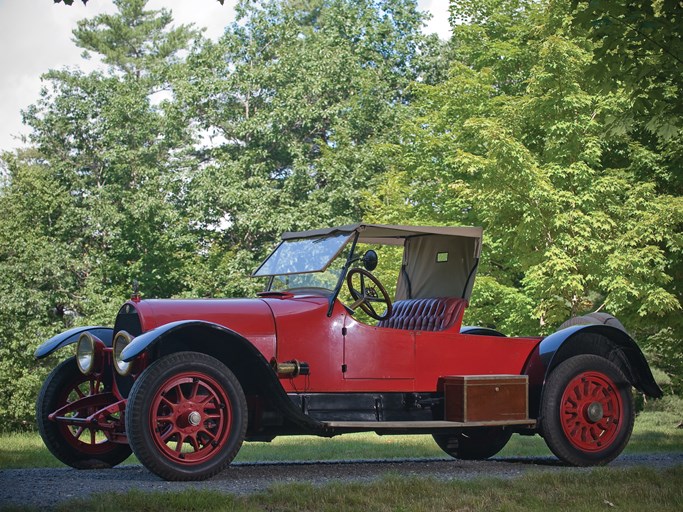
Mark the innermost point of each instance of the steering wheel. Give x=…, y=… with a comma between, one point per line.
x=366, y=296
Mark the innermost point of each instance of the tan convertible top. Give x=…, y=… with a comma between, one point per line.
x=438, y=261
x=391, y=234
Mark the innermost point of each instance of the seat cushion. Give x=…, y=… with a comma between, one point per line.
x=436, y=314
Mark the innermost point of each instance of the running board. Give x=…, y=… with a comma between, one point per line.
x=425, y=425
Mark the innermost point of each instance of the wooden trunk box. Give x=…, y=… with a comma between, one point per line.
x=486, y=397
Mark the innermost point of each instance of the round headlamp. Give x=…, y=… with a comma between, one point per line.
x=121, y=341
x=87, y=353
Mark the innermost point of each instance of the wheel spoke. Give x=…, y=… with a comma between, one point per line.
x=607, y=404
x=376, y=299
x=79, y=392
x=168, y=434
x=205, y=400
x=210, y=437
x=169, y=404
x=194, y=390
x=192, y=440
x=179, y=444
x=179, y=393
x=165, y=416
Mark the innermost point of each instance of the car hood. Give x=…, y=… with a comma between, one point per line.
x=251, y=318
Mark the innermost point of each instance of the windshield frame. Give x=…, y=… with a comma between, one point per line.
x=318, y=268
x=352, y=236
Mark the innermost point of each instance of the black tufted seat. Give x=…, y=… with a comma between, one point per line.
x=436, y=314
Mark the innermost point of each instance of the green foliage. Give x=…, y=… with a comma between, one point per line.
x=70, y=2
x=575, y=219
x=39, y=280
x=641, y=42
x=98, y=202
x=294, y=94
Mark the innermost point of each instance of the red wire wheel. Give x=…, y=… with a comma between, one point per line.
x=587, y=411
x=190, y=417
x=186, y=416
x=88, y=440
x=75, y=445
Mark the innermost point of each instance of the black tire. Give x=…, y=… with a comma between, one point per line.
x=75, y=447
x=587, y=411
x=594, y=319
x=186, y=417
x=474, y=443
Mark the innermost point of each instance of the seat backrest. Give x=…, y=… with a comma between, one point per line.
x=436, y=314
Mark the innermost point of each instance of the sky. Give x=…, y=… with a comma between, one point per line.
x=35, y=36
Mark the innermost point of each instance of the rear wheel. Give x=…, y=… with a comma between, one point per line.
x=77, y=446
x=474, y=443
x=186, y=417
x=587, y=411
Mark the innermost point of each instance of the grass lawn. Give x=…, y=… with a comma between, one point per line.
x=635, y=489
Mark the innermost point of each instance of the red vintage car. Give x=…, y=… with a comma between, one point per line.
x=325, y=350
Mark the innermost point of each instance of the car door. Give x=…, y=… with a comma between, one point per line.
x=381, y=353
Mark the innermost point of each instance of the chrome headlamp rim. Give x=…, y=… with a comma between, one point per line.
x=121, y=341
x=85, y=353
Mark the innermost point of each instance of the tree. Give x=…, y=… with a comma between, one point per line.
x=39, y=277
x=294, y=92
x=70, y=2
x=641, y=43
x=99, y=200
x=572, y=223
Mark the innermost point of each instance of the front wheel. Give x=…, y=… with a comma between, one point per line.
x=186, y=417
x=474, y=443
x=81, y=447
x=587, y=411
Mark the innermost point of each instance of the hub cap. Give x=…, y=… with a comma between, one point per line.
x=591, y=411
x=190, y=418
x=194, y=418
x=594, y=412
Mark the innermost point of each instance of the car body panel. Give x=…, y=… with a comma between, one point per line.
x=378, y=353
x=463, y=354
x=303, y=335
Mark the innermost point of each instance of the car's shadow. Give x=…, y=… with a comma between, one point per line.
x=535, y=461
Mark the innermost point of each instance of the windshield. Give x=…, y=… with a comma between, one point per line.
x=319, y=281
x=304, y=255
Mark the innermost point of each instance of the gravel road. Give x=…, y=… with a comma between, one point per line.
x=42, y=487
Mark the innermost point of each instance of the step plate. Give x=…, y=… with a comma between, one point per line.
x=422, y=425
